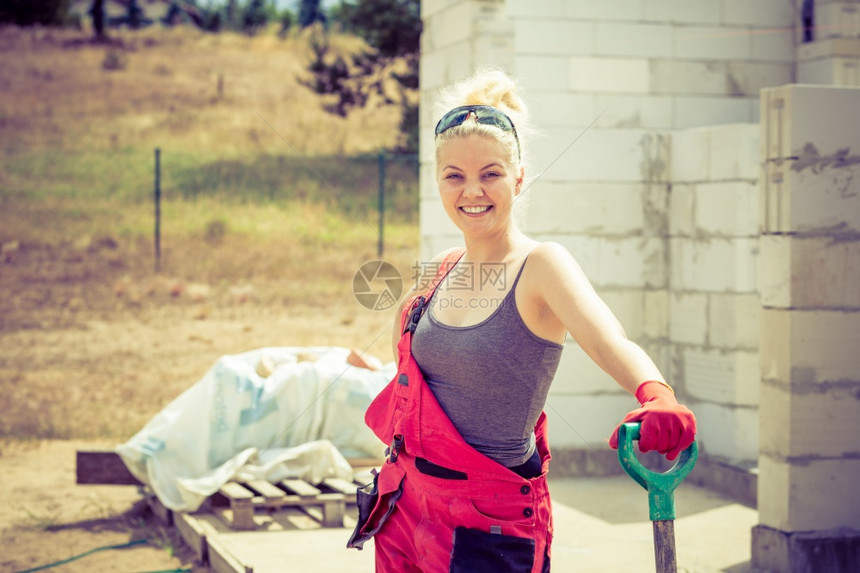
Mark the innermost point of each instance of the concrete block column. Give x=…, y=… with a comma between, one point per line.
x=809, y=435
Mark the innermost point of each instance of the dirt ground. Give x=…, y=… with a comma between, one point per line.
x=85, y=362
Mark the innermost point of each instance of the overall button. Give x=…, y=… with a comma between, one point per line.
x=527, y=512
x=525, y=490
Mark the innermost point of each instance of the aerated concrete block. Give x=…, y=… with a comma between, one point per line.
x=734, y=152
x=809, y=272
x=714, y=265
x=830, y=71
x=805, y=121
x=432, y=219
x=586, y=208
x=630, y=262
x=586, y=421
x=553, y=36
x=530, y=9
x=774, y=45
x=433, y=244
x=682, y=202
x=727, y=209
x=690, y=156
x=712, y=43
x=734, y=321
x=688, y=320
x=810, y=347
x=680, y=12
x=763, y=13
x=679, y=77
x=450, y=25
x=601, y=155
x=633, y=111
x=837, y=20
x=609, y=75
x=626, y=39
x=551, y=73
x=748, y=78
x=813, y=194
x=691, y=111
x=829, y=48
x=561, y=108
x=427, y=179
x=630, y=10
x=730, y=378
x=656, y=325
x=431, y=7
x=793, y=417
x=809, y=494
x=726, y=431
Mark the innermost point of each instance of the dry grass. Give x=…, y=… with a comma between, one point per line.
x=261, y=234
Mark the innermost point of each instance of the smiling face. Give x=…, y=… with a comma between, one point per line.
x=478, y=184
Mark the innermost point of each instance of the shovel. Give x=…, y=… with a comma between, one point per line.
x=660, y=487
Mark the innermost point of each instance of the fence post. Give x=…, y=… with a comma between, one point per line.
x=157, y=209
x=379, y=247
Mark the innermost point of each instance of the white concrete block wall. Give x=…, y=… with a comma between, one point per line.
x=833, y=267
x=830, y=71
x=809, y=322
x=810, y=487
x=585, y=421
x=645, y=208
x=728, y=432
x=837, y=20
x=713, y=300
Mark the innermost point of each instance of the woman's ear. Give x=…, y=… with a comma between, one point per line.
x=520, y=178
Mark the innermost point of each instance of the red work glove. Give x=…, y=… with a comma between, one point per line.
x=667, y=426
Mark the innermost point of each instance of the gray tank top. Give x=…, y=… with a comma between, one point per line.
x=491, y=378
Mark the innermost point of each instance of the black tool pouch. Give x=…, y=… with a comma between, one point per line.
x=365, y=498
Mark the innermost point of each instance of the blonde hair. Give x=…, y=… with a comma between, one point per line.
x=491, y=87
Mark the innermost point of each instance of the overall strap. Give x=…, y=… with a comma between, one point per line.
x=412, y=312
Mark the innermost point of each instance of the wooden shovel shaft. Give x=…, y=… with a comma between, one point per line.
x=664, y=545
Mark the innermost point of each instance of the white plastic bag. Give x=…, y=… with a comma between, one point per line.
x=299, y=421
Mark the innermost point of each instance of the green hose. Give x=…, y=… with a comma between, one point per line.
x=97, y=549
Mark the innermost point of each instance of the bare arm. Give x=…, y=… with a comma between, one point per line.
x=570, y=297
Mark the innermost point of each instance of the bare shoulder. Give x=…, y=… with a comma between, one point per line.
x=550, y=258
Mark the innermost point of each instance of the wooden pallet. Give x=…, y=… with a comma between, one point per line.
x=326, y=502
x=218, y=532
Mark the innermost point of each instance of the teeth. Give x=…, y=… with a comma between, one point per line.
x=475, y=210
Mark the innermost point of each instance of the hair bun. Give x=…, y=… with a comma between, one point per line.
x=488, y=86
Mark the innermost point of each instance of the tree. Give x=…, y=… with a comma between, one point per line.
x=135, y=15
x=255, y=16
x=97, y=11
x=33, y=12
x=310, y=12
x=392, y=31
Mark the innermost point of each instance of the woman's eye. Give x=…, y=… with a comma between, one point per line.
x=491, y=175
x=453, y=176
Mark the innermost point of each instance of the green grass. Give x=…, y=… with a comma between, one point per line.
x=317, y=199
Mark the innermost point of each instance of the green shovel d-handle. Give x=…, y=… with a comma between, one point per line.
x=660, y=486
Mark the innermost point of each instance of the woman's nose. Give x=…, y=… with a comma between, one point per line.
x=473, y=189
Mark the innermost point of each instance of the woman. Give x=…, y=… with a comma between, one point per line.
x=464, y=488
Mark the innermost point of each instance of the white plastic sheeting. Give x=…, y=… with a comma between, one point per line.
x=242, y=422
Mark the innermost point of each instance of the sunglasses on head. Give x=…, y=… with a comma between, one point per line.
x=484, y=114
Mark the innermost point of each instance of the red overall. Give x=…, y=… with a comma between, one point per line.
x=442, y=505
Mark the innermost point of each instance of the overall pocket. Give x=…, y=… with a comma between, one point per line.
x=477, y=551
x=374, y=506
